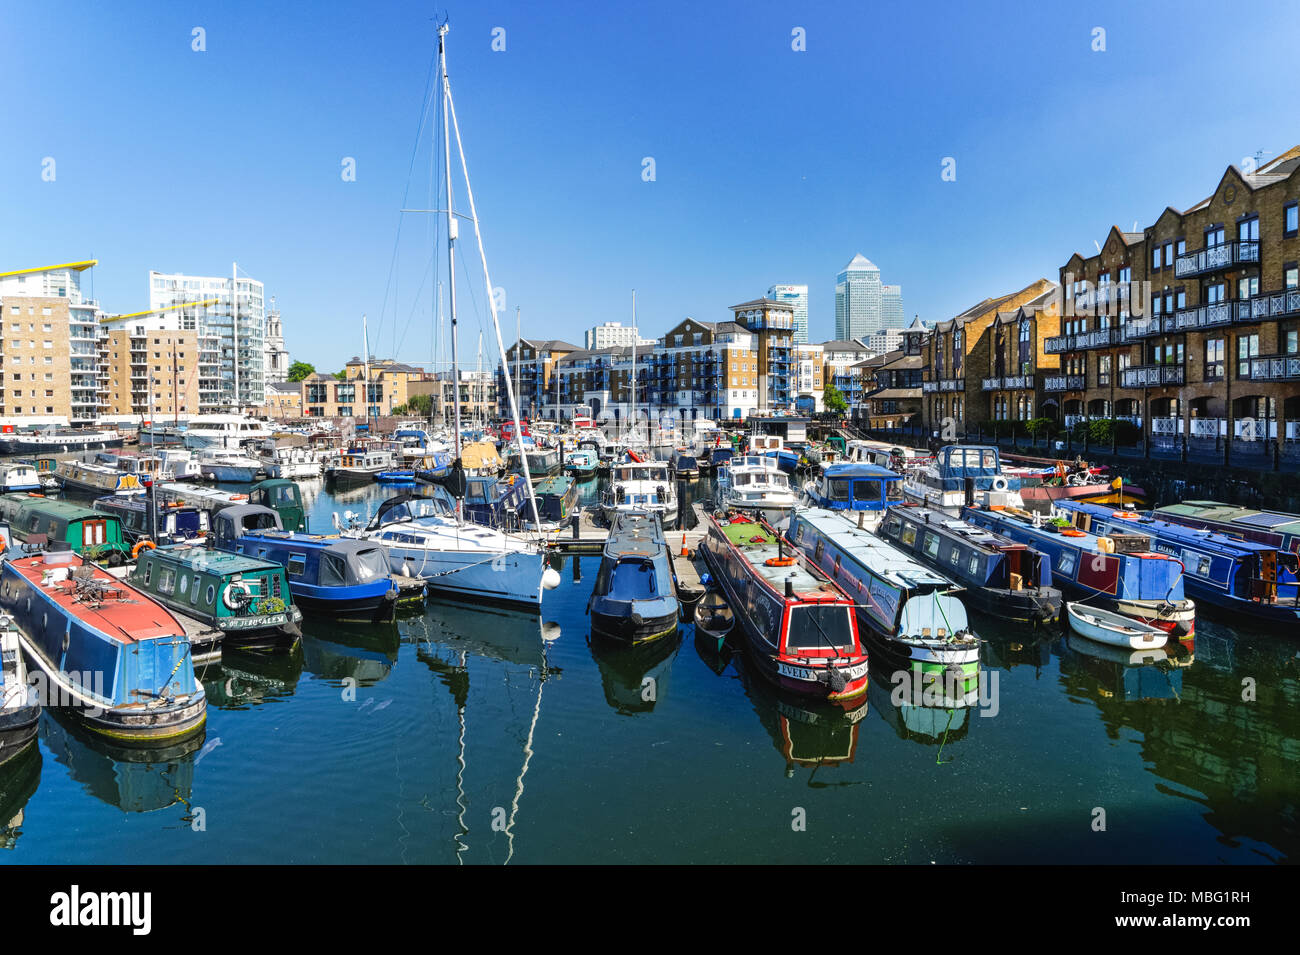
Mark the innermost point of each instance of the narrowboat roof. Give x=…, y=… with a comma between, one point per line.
x=635, y=534
x=558, y=484
x=215, y=561
x=129, y=620
x=981, y=538
x=757, y=543
x=1228, y=514
x=64, y=509
x=851, y=469
x=882, y=557
x=1179, y=533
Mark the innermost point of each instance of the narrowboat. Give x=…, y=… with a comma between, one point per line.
x=18, y=477
x=336, y=577
x=36, y=520
x=542, y=462
x=1121, y=574
x=358, y=466
x=45, y=468
x=172, y=523
x=246, y=599
x=98, y=478
x=582, y=463
x=801, y=632
x=433, y=468
x=1068, y=482
x=634, y=599
x=907, y=606
x=425, y=541
x=279, y=494
x=720, y=457
x=640, y=486
x=1274, y=528
x=20, y=703
x=755, y=485
x=556, y=497
x=960, y=475
x=57, y=441
x=116, y=659
x=1001, y=577
x=684, y=464
x=860, y=491
x=1252, y=581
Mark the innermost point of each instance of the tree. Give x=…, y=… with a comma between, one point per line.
x=341, y=375
x=419, y=404
x=300, y=370
x=833, y=400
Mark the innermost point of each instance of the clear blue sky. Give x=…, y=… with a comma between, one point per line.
x=772, y=165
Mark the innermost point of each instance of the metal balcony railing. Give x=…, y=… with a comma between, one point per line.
x=1215, y=258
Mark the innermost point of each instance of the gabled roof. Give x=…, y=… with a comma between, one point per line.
x=860, y=263
x=760, y=303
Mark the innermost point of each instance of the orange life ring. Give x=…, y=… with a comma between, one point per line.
x=1071, y=532
x=142, y=545
x=1126, y=515
x=780, y=562
x=239, y=497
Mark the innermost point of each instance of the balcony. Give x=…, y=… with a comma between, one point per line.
x=1203, y=316
x=1007, y=383
x=1275, y=368
x=1097, y=338
x=1141, y=328
x=1267, y=305
x=1064, y=383
x=1215, y=258
x=1151, y=376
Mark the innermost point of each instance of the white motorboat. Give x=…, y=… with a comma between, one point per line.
x=757, y=486
x=19, y=477
x=225, y=431
x=182, y=464
x=290, y=462
x=959, y=473
x=1116, y=630
x=228, y=464
x=641, y=486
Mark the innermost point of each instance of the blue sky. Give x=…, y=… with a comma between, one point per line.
x=771, y=165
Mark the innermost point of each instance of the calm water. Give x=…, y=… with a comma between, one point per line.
x=486, y=737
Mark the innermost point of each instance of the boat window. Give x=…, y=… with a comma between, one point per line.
x=332, y=571
x=891, y=526
x=974, y=563
x=956, y=556
x=1066, y=564
x=194, y=591
x=931, y=545
x=819, y=626
x=369, y=565
x=148, y=572
x=632, y=580
x=211, y=592
x=166, y=580
x=297, y=564
x=909, y=535
x=893, y=490
x=818, y=551
x=865, y=491
x=839, y=489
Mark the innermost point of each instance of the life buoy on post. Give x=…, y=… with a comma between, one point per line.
x=141, y=545
x=999, y=483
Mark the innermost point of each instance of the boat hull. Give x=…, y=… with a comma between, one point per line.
x=473, y=575
x=364, y=607
x=631, y=628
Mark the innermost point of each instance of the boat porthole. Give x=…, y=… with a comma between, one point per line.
x=211, y=593
x=185, y=585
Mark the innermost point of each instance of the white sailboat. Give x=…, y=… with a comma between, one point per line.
x=458, y=558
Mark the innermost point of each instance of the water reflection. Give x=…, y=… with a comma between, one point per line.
x=132, y=779
x=244, y=678
x=920, y=712
x=19, y=778
x=634, y=678
x=1103, y=672
x=362, y=652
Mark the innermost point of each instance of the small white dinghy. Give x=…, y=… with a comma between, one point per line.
x=1106, y=626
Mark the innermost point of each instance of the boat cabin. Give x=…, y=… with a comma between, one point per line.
x=856, y=487
x=37, y=521
x=174, y=522
x=283, y=497
x=496, y=502
x=223, y=590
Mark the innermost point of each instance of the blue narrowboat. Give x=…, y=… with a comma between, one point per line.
x=1002, y=577
x=105, y=652
x=496, y=502
x=1275, y=528
x=1252, y=580
x=1121, y=573
x=337, y=577
x=634, y=599
x=864, y=488
x=173, y=523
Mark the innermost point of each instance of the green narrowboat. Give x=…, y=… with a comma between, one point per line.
x=556, y=497
x=283, y=497
x=92, y=534
x=245, y=598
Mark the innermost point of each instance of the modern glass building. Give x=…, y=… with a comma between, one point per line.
x=863, y=306
x=796, y=296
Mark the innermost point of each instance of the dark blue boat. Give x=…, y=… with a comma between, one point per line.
x=404, y=476
x=341, y=578
x=856, y=487
x=635, y=596
x=1252, y=580
x=497, y=502
x=1124, y=574
x=1002, y=577
x=172, y=523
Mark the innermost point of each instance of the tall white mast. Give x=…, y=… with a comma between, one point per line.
x=634, y=364
x=365, y=365
x=234, y=330
x=487, y=280
x=451, y=238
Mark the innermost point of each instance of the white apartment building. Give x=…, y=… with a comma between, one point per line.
x=614, y=335
x=235, y=321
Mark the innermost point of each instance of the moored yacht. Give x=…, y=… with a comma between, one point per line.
x=229, y=464
x=960, y=475
x=641, y=486
x=225, y=431
x=755, y=485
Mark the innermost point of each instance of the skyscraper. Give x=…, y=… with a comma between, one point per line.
x=796, y=296
x=862, y=305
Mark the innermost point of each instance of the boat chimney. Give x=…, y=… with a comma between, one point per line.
x=860, y=516
x=970, y=490
x=789, y=587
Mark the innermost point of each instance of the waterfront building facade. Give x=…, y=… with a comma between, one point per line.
x=772, y=325
x=277, y=356
x=611, y=334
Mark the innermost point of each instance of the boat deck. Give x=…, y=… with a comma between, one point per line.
x=884, y=559
x=759, y=545
x=120, y=612
x=978, y=536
